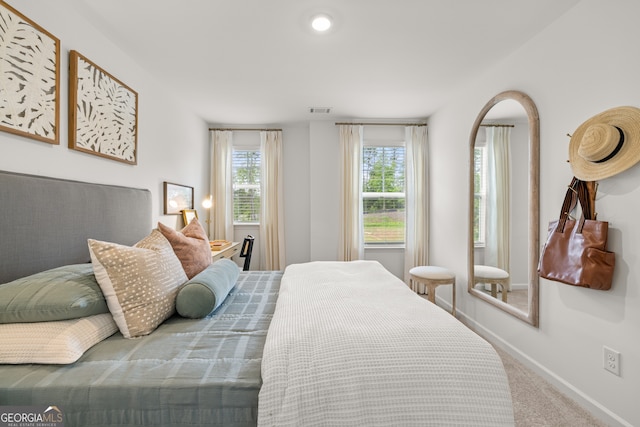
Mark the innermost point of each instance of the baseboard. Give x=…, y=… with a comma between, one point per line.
x=595, y=408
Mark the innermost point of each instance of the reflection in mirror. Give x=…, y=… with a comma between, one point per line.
x=503, y=229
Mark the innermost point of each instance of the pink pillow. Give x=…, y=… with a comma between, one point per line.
x=191, y=246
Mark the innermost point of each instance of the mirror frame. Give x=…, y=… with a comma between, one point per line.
x=527, y=103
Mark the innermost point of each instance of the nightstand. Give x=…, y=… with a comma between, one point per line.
x=227, y=252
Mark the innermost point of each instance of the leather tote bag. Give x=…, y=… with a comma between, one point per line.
x=575, y=252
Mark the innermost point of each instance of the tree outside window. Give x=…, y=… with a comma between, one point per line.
x=246, y=186
x=383, y=197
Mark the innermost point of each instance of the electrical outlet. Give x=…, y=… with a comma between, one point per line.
x=611, y=360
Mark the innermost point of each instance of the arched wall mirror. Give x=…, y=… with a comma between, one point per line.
x=504, y=205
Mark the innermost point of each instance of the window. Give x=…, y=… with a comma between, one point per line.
x=246, y=186
x=479, y=195
x=383, y=194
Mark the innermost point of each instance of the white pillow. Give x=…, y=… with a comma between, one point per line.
x=140, y=282
x=58, y=342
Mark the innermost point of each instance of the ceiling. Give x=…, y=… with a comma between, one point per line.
x=259, y=62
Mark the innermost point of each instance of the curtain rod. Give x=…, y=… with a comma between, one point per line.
x=382, y=124
x=498, y=125
x=247, y=129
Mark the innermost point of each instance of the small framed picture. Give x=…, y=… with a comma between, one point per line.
x=188, y=215
x=177, y=198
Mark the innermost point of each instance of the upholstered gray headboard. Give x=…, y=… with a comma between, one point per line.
x=45, y=222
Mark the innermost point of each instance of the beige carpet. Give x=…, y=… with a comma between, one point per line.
x=536, y=403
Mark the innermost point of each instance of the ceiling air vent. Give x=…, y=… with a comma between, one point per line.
x=319, y=110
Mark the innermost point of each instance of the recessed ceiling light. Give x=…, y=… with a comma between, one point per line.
x=321, y=23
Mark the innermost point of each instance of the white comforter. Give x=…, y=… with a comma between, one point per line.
x=351, y=345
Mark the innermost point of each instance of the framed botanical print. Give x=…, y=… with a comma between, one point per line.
x=103, y=112
x=29, y=78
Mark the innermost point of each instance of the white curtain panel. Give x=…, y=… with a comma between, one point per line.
x=221, y=213
x=351, y=226
x=272, y=204
x=417, y=199
x=498, y=197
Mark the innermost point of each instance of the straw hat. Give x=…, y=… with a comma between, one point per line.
x=606, y=144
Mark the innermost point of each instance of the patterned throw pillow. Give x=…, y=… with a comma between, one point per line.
x=191, y=245
x=140, y=282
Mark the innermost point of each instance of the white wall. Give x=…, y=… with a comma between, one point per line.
x=171, y=139
x=324, y=189
x=582, y=64
x=297, y=194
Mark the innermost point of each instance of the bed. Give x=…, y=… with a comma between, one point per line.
x=186, y=373
x=322, y=343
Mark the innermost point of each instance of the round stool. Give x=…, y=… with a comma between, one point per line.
x=494, y=276
x=431, y=277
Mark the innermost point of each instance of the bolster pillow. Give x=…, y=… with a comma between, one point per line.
x=201, y=295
